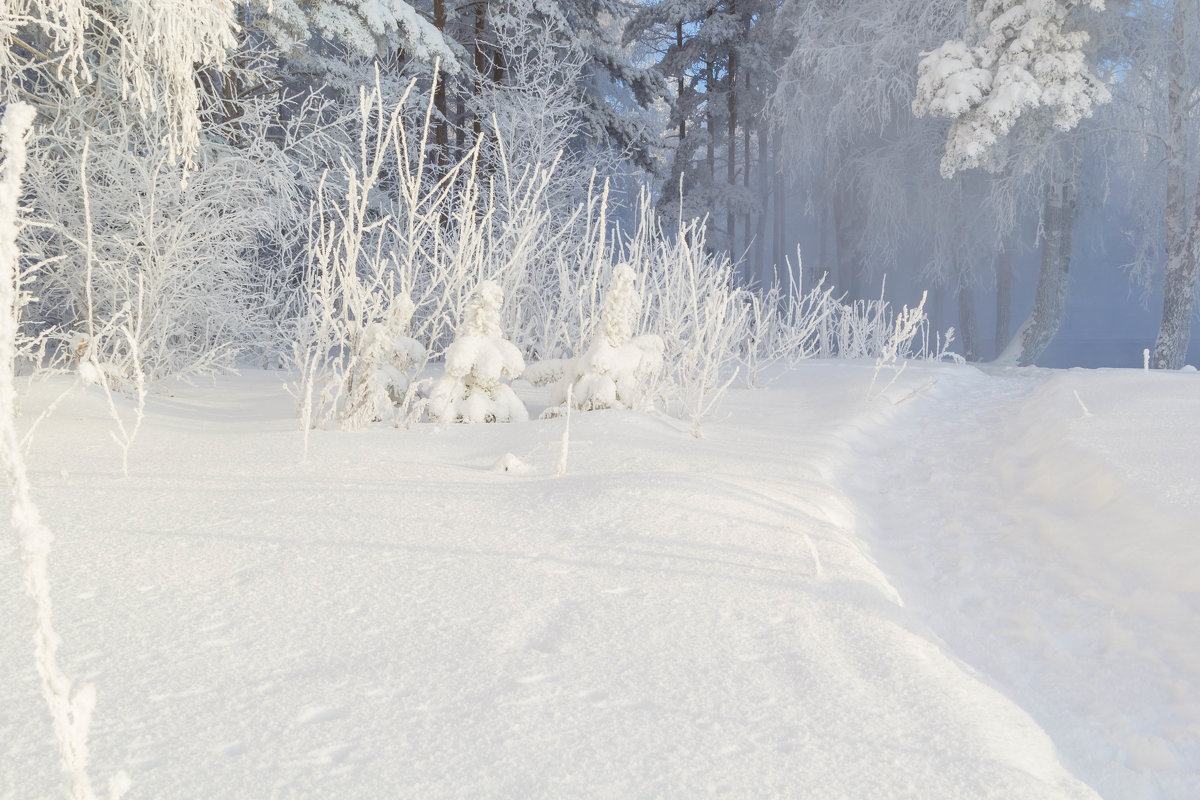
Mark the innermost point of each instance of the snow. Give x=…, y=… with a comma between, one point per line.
x=981, y=583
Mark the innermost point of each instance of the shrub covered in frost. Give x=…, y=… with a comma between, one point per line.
x=618, y=367
x=386, y=356
x=477, y=363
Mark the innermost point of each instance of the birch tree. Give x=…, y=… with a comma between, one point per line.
x=1158, y=44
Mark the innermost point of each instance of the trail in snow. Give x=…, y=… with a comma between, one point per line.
x=1041, y=523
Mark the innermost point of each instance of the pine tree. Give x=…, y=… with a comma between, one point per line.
x=477, y=363
x=618, y=367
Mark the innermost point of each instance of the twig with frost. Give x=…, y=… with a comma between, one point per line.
x=129, y=327
x=895, y=347
x=1084, y=408
x=566, y=438
x=70, y=711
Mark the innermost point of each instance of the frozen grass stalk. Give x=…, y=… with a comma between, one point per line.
x=565, y=443
x=70, y=710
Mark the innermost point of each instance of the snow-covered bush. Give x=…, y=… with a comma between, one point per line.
x=386, y=357
x=425, y=236
x=691, y=298
x=618, y=368
x=477, y=363
x=785, y=325
x=120, y=229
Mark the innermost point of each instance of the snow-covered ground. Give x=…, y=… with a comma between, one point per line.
x=975, y=584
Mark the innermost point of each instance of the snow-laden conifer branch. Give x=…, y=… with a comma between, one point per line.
x=1020, y=55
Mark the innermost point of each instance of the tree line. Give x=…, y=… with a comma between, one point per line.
x=937, y=141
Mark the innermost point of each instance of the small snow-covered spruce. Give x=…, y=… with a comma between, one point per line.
x=618, y=368
x=378, y=385
x=477, y=363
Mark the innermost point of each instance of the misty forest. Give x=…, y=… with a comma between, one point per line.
x=886, y=307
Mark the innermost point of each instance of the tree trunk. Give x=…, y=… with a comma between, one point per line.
x=731, y=154
x=1004, y=280
x=780, y=214
x=710, y=153
x=747, y=235
x=848, y=236
x=679, y=84
x=441, y=139
x=967, y=321
x=1050, y=300
x=480, y=61
x=460, y=122
x=764, y=202
x=1179, y=277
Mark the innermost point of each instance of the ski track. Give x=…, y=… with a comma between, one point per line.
x=1026, y=553
x=675, y=617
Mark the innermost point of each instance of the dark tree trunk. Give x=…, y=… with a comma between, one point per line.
x=764, y=202
x=441, y=139
x=1004, y=281
x=1179, y=277
x=967, y=321
x=1050, y=300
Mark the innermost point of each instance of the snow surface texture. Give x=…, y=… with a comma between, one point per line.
x=617, y=369
x=968, y=587
x=477, y=363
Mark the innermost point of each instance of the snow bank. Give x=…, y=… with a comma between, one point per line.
x=884, y=598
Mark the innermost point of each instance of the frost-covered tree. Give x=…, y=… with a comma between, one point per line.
x=1156, y=147
x=866, y=167
x=194, y=249
x=1031, y=60
x=717, y=64
x=618, y=367
x=367, y=27
x=70, y=704
x=53, y=48
x=612, y=89
x=1018, y=55
x=478, y=362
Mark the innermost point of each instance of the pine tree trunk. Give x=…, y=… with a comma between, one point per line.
x=441, y=139
x=480, y=61
x=460, y=122
x=780, y=214
x=764, y=201
x=747, y=234
x=1179, y=278
x=1004, y=279
x=1050, y=300
x=731, y=155
x=710, y=123
x=846, y=235
x=967, y=320
x=679, y=84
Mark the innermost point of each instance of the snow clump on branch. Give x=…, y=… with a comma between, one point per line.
x=1023, y=60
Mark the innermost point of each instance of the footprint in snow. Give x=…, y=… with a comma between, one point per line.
x=320, y=714
x=231, y=749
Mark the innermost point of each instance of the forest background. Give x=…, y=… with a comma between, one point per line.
x=184, y=157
